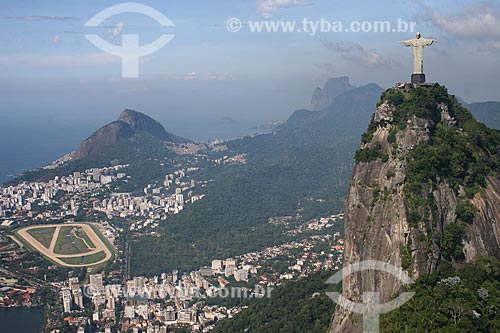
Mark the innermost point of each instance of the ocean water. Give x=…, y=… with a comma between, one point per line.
x=33, y=145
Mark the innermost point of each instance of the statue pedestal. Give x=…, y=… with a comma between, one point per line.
x=417, y=78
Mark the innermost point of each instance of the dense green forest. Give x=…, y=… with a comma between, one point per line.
x=296, y=307
x=303, y=168
x=451, y=301
x=233, y=217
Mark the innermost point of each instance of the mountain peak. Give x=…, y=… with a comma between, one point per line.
x=421, y=192
x=128, y=113
x=332, y=88
x=140, y=122
x=129, y=123
x=338, y=83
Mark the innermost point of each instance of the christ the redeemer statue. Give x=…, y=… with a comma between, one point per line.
x=418, y=45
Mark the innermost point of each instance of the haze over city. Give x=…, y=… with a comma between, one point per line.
x=222, y=166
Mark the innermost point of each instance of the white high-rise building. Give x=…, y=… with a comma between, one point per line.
x=96, y=175
x=217, y=265
x=170, y=314
x=73, y=283
x=78, y=297
x=142, y=310
x=106, y=180
x=241, y=275
x=96, y=283
x=175, y=275
x=129, y=312
x=66, y=298
x=230, y=262
x=110, y=303
x=139, y=282
x=230, y=270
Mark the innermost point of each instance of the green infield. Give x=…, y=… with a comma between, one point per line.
x=73, y=240
x=43, y=235
x=85, y=260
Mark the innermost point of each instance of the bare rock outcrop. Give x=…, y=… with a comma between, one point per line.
x=380, y=223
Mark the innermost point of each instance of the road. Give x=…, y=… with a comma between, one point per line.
x=30, y=279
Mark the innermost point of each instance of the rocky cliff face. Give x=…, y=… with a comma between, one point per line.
x=425, y=189
x=129, y=123
x=103, y=137
x=141, y=122
x=334, y=87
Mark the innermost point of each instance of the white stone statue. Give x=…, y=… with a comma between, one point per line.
x=418, y=51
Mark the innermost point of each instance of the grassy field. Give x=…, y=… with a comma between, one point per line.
x=87, y=260
x=79, y=233
x=68, y=243
x=43, y=236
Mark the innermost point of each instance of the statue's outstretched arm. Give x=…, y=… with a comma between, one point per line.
x=429, y=41
x=407, y=42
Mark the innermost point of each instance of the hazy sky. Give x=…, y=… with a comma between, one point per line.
x=50, y=70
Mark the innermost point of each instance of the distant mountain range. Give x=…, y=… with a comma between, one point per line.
x=486, y=112
x=339, y=112
x=339, y=109
x=323, y=97
x=346, y=114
